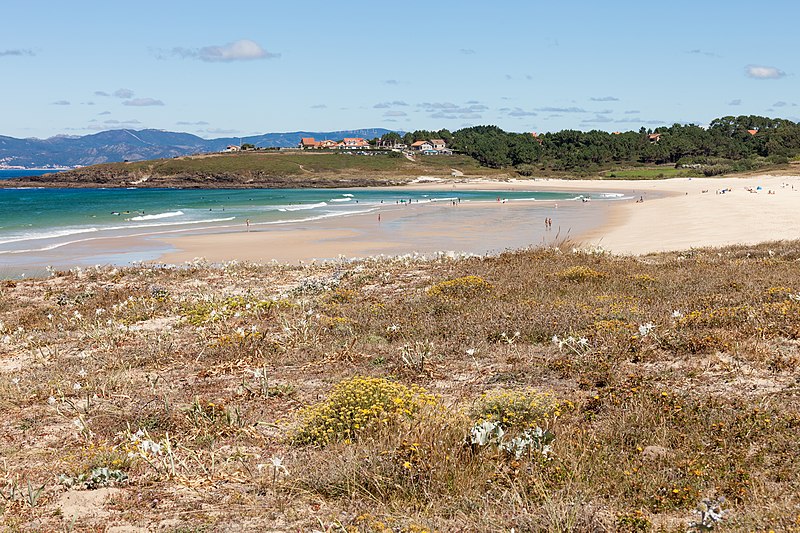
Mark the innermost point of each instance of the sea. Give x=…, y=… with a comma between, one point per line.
x=36, y=221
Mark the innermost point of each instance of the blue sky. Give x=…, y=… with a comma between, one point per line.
x=239, y=68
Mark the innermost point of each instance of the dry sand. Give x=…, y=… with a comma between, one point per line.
x=675, y=214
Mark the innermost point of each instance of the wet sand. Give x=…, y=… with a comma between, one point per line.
x=478, y=228
x=674, y=214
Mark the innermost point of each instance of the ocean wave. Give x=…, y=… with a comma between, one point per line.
x=303, y=207
x=340, y=199
x=347, y=194
x=49, y=235
x=93, y=229
x=168, y=214
x=612, y=195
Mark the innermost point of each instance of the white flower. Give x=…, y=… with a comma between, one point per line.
x=583, y=341
x=471, y=352
x=77, y=386
x=277, y=464
x=148, y=446
x=49, y=316
x=677, y=314
x=51, y=400
x=82, y=373
x=15, y=381
x=392, y=328
x=645, y=329
x=486, y=432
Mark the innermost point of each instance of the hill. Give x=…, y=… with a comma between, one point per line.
x=136, y=145
x=274, y=169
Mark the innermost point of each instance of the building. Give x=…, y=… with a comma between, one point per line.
x=654, y=137
x=232, y=148
x=438, y=144
x=327, y=143
x=308, y=143
x=353, y=142
x=422, y=146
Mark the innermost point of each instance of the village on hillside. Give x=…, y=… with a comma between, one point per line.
x=426, y=147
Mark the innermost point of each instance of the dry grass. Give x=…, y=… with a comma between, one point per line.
x=666, y=379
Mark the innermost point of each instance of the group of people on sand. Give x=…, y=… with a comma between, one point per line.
x=548, y=223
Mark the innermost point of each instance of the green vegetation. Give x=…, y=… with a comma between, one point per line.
x=541, y=390
x=730, y=144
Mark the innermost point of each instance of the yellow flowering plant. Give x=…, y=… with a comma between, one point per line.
x=357, y=404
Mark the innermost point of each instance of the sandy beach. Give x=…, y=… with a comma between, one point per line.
x=674, y=214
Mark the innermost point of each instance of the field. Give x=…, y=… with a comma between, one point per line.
x=542, y=390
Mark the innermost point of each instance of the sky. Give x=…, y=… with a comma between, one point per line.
x=218, y=69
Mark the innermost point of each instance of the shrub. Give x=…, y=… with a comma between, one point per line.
x=356, y=404
x=464, y=287
x=521, y=408
x=580, y=273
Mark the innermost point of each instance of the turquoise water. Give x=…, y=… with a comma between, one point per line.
x=35, y=221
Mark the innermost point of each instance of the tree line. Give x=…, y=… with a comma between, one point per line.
x=727, y=144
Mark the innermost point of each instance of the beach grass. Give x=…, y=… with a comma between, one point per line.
x=544, y=390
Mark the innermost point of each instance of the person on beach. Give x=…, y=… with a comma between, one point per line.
x=379, y=217
x=247, y=223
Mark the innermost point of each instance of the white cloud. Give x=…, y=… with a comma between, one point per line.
x=319, y=106
x=737, y=101
x=198, y=123
x=61, y=102
x=761, y=72
x=519, y=112
x=142, y=102
x=562, y=109
x=17, y=52
x=604, y=99
x=241, y=50
x=384, y=105
x=123, y=93
x=449, y=110
x=101, y=93
x=395, y=114
x=597, y=119
x=467, y=51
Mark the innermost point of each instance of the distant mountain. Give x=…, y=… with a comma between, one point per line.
x=135, y=145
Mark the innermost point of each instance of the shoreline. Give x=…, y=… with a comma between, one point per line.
x=675, y=214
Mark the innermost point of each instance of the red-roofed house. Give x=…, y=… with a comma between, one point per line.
x=752, y=132
x=421, y=146
x=438, y=144
x=308, y=142
x=327, y=143
x=654, y=137
x=353, y=142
